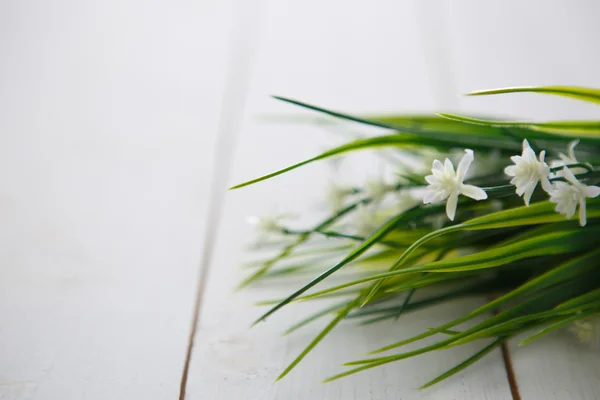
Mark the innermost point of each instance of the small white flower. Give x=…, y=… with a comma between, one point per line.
x=437, y=221
x=587, y=330
x=568, y=159
x=336, y=196
x=405, y=200
x=447, y=184
x=420, y=162
x=268, y=223
x=528, y=171
x=567, y=196
x=378, y=188
x=366, y=220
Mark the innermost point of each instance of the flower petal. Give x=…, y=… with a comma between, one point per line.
x=571, y=151
x=451, y=205
x=448, y=167
x=438, y=173
x=511, y=170
x=464, y=164
x=528, y=193
x=431, y=179
x=473, y=192
x=546, y=185
x=439, y=196
x=437, y=165
x=528, y=153
x=428, y=198
x=592, y=191
x=566, y=172
x=570, y=209
x=542, y=156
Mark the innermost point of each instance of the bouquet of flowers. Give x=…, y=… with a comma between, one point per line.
x=509, y=210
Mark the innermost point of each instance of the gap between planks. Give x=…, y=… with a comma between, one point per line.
x=508, y=366
x=510, y=372
x=242, y=44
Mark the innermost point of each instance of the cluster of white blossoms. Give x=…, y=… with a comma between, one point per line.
x=527, y=172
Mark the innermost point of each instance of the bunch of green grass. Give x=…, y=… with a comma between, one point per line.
x=544, y=271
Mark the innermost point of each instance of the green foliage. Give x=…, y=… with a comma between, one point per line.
x=542, y=272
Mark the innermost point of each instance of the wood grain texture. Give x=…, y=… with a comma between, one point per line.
x=109, y=114
x=336, y=63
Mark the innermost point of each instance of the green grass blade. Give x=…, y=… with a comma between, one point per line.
x=335, y=113
x=317, y=339
x=554, y=327
x=586, y=129
x=549, y=244
x=469, y=361
x=579, y=93
x=315, y=316
x=350, y=257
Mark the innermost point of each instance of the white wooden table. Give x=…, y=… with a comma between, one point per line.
x=122, y=124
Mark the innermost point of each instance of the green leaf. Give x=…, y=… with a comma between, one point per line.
x=404, y=140
x=317, y=339
x=435, y=123
x=579, y=93
x=566, y=271
x=471, y=360
x=537, y=213
x=554, y=243
x=585, y=129
x=555, y=326
x=316, y=316
x=350, y=257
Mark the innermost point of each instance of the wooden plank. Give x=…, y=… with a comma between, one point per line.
x=556, y=367
x=347, y=62
x=109, y=118
x=533, y=43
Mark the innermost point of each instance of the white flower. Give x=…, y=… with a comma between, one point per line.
x=336, y=195
x=366, y=220
x=405, y=200
x=378, y=188
x=568, y=159
x=447, y=184
x=528, y=171
x=268, y=223
x=568, y=195
x=420, y=163
x=437, y=221
x=587, y=330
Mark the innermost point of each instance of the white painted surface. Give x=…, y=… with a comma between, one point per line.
x=108, y=122
x=232, y=361
x=343, y=61
x=557, y=367
x=516, y=43
x=109, y=118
